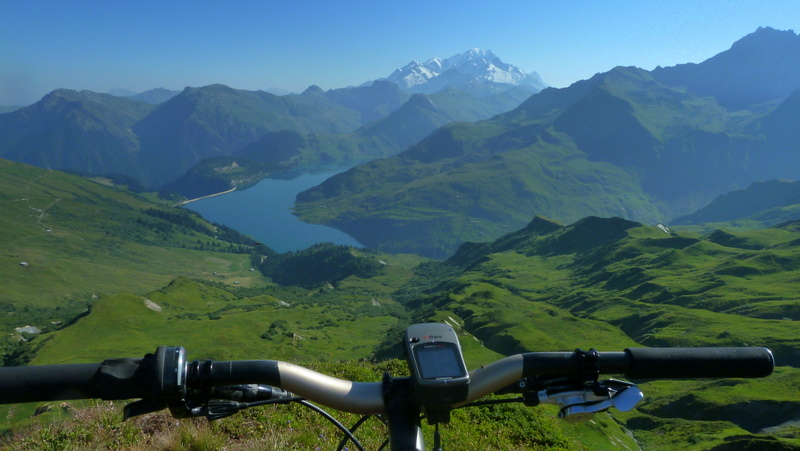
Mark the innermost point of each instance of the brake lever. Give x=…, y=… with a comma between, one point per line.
x=580, y=405
x=227, y=400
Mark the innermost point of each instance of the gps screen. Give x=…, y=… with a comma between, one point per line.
x=439, y=360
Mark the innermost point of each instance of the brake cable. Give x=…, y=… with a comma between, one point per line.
x=220, y=408
x=334, y=421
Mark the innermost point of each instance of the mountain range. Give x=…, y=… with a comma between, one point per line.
x=622, y=145
x=647, y=146
x=159, y=135
x=762, y=67
x=453, y=166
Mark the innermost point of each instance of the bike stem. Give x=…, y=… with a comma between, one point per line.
x=402, y=414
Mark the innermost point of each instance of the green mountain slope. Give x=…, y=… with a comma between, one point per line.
x=613, y=283
x=99, y=133
x=217, y=322
x=65, y=239
x=79, y=131
x=285, y=149
x=155, y=143
x=603, y=283
x=657, y=288
x=618, y=144
x=449, y=189
x=216, y=120
x=762, y=204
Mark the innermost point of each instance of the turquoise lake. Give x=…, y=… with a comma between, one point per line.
x=264, y=212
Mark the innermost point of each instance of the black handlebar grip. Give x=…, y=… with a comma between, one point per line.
x=47, y=383
x=678, y=363
x=111, y=379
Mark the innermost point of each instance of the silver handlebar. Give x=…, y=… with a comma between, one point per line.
x=367, y=397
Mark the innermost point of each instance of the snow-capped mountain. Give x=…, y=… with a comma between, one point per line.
x=475, y=70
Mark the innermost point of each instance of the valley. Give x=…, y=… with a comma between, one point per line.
x=605, y=283
x=634, y=208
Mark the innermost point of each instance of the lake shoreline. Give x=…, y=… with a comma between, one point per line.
x=264, y=211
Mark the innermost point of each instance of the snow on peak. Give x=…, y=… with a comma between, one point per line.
x=473, y=65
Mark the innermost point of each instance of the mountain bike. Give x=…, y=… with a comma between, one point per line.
x=438, y=383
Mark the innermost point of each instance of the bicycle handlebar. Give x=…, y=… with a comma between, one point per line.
x=112, y=379
x=157, y=377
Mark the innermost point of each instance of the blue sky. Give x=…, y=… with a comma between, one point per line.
x=101, y=45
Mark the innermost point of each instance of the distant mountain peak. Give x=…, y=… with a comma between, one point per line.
x=313, y=89
x=763, y=66
x=474, y=65
x=767, y=41
x=768, y=33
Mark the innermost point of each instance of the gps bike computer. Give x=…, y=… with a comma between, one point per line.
x=437, y=366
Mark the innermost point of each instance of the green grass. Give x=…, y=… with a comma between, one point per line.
x=700, y=414
x=212, y=322
x=602, y=283
x=609, y=284
x=81, y=238
x=430, y=208
x=500, y=427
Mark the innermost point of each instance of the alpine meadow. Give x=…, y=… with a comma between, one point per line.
x=633, y=208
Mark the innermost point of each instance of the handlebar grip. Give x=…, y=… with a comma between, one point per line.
x=47, y=383
x=647, y=363
x=113, y=379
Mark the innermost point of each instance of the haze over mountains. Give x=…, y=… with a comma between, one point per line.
x=97, y=133
x=622, y=145
x=475, y=159
x=642, y=145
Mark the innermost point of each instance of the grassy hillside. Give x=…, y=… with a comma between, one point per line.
x=762, y=204
x=612, y=283
x=603, y=283
x=654, y=287
x=336, y=317
x=618, y=144
x=464, y=184
x=78, y=236
x=214, y=322
x=64, y=240
x=305, y=326
x=280, y=427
